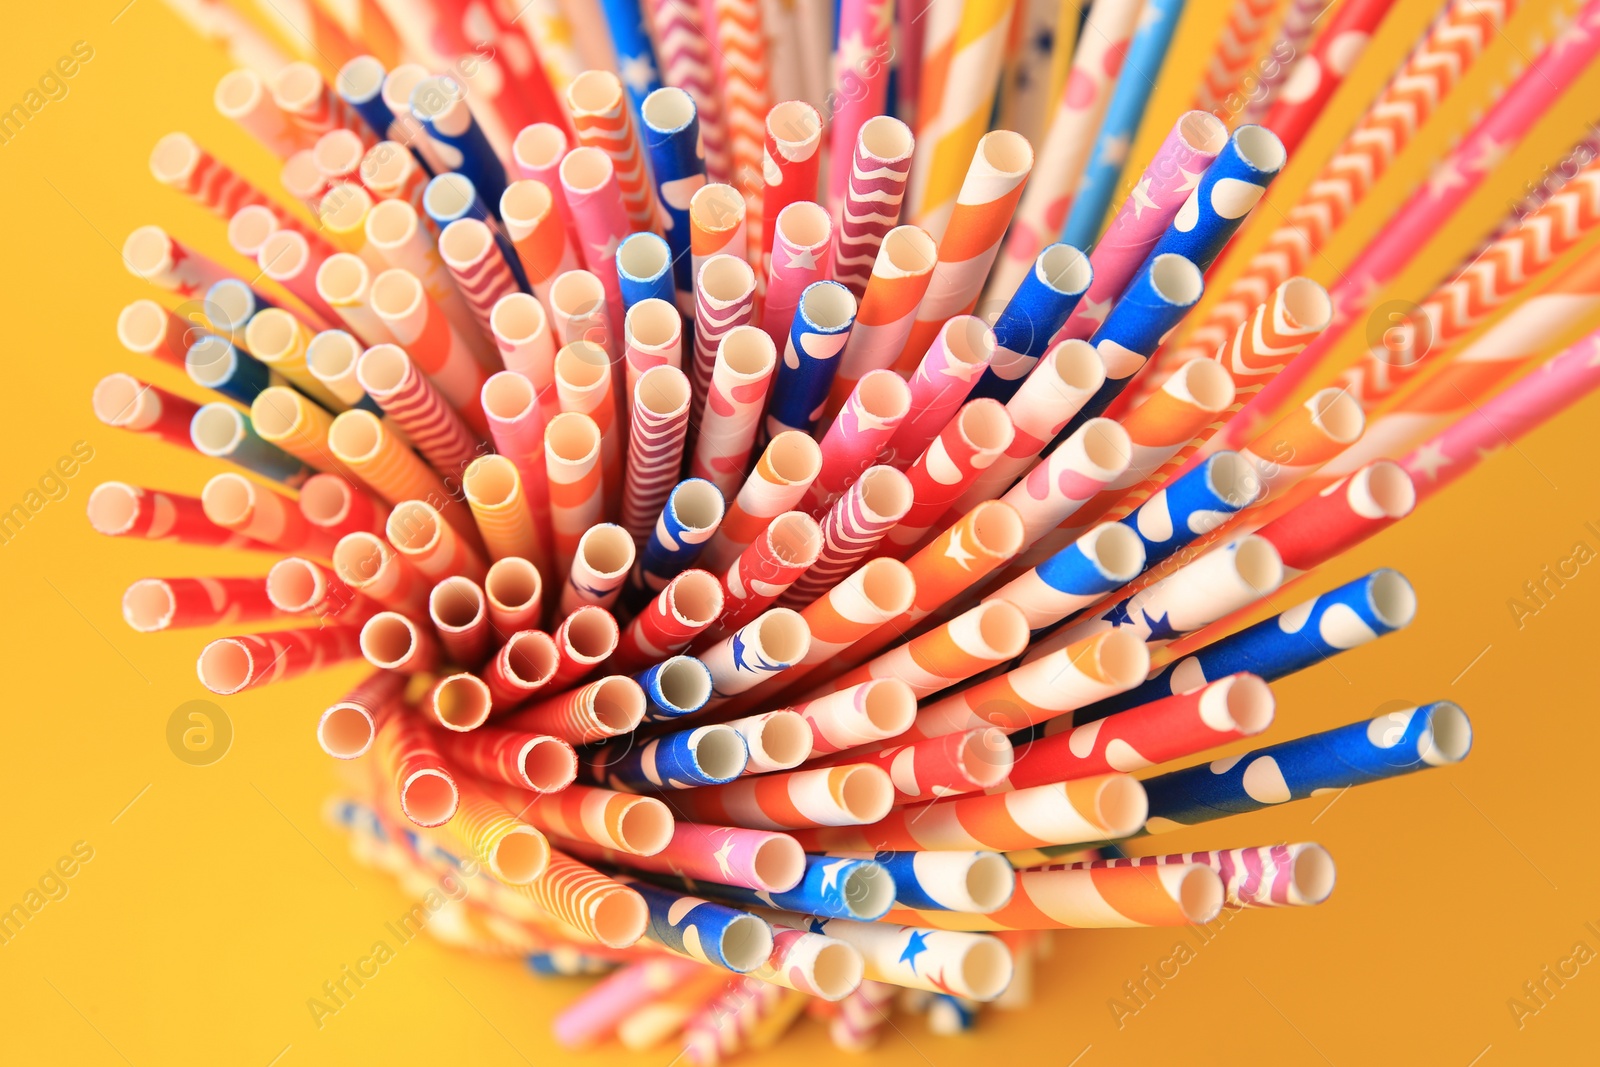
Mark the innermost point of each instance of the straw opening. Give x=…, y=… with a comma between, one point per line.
x=866, y=793
x=1200, y=894
x=968, y=339
x=746, y=943
x=885, y=491
x=1233, y=478
x=1121, y=805
x=325, y=499
x=539, y=146
x=595, y=90
x=230, y=303
x=987, y=757
x=297, y=87
x=520, y=856
x=345, y=731
x=526, y=202
x=531, y=658
x=295, y=585
x=582, y=364
x=413, y=526
x=1258, y=563
x=448, y=195
x=117, y=399
x=518, y=318
x=355, y=436
x=890, y=705
x=249, y=229
x=888, y=586
x=113, y=508
x=1394, y=601
x=576, y=293
x=695, y=597
x=1451, y=734
x=1203, y=132
x=1065, y=269
x=869, y=890
x=1260, y=147
x=338, y=152
x=618, y=703
x=726, y=278
x=785, y=739
x=491, y=482
x=358, y=557
x=783, y=636
x=697, y=505
x=884, y=394
x=997, y=528
x=1003, y=629
x=148, y=605
x=795, y=537
x=140, y=325
x=986, y=425
x=794, y=122
x=1123, y=659
x=225, y=666
x=456, y=604
x=885, y=138
x=778, y=862
x=1391, y=492
x=1249, y=704
x=388, y=639
x=747, y=351
x=989, y=881
x=1107, y=445
x=1006, y=151
x=646, y=826
x=662, y=391
x=643, y=255
x=720, y=752
x=668, y=109
x=464, y=241
x=1175, y=279
x=1338, y=413
x=548, y=764
x=684, y=682
x=1209, y=384
x=592, y=634
x=461, y=702
x=572, y=438
x=717, y=208
x=391, y=223
x=238, y=92
x=283, y=255
x=428, y=798
x=607, y=549
x=1314, y=873
x=217, y=429
x=147, y=250
x=1115, y=549
x=910, y=249
x=1306, y=304
x=586, y=169
x=620, y=918
x=653, y=323
x=985, y=968
x=512, y=584
x=804, y=224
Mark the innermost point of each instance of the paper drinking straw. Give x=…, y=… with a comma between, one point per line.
x=777, y=740
x=359, y=441
x=572, y=462
x=151, y=605
x=424, y=787
x=530, y=215
x=1230, y=187
x=839, y=888
x=968, y=445
x=481, y=272
x=150, y=253
x=396, y=232
x=649, y=1027
x=1032, y=318
x=1296, y=876
x=739, y=53
x=858, y=436
x=644, y=269
x=1141, y=66
x=658, y=429
x=279, y=340
x=580, y=311
x=298, y=586
x=1233, y=706
x=872, y=187
x=527, y=346
x=724, y=301
x=798, y=259
x=537, y=153
x=302, y=180
x=601, y=116
x=672, y=131
x=981, y=637
x=590, y=713
x=779, y=480
x=831, y=796
x=494, y=492
x=791, y=164
x=963, y=70
x=1444, y=55
x=1289, y=43
x=584, y=639
x=744, y=368
x=290, y=260
x=989, y=193
x=416, y=407
x=694, y=509
x=861, y=1017
x=440, y=105
x=859, y=714
x=513, y=588
x=584, y=384
x=1050, y=684
x=1103, y=559
x=527, y=761
x=652, y=334
x=966, y=762
x=686, y=606
x=582, y=815
x=1196, y=504
x=368, y=565
x=179, y=162
x=716, y=225
x=519, y=669
x=594, y=1016
x=901, y=273
x=942, y=381
x=220, y=431
x=438, y=350
x=863, y=54
x=686, y=62
x=1094, y=899
x=233, y=664
x=1064, y=152
x=683, y=759
x=459, y=702
x=348, y=727
x=598, y=907
x=1400, y=742
x=673, y=688
x=1089, y=809
x=235, y=503
x=851, y=529
x=392, y=642
x=604, y=558
x=768, y=644
x=964, y=881
x=1340, y=516
x=249, y=228
x=1238, y=41
x=334, y=504
x=460, y=616
x=312, y=106
x=147, y=328
x=242, y=95
x=589, y=182
x=342, y=213
x=711, y=933
x=1085, y=463
x=974, y=965
x=125, y=402
x=344, y=283
x=1347, y=617
x=1316, y=74
x=451, y=196
x=359, y=83
x=779, y=554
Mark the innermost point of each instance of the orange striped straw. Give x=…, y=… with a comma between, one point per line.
x=284, y=417
x=368, y=565
x=494, y=492
x=513, y=851
x=600, y=116
x=602, y=709
x=419, y=533
x=598, y=907
x=572, y=460
x=424, y=786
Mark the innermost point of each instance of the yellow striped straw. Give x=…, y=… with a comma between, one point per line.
x=500, y=507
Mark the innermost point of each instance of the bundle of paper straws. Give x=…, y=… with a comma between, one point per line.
x=773, y=572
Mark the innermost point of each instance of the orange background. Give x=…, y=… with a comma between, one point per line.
x=219, y=901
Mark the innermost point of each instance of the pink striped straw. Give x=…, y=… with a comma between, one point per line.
x=868, y=509
x=406, y=396
x=859, y=436
x=179, y=162
x=589, y=181
x=867, y=187
x=479, y=268
x=724, y=299
x=953, y=363
x=800, y=239
x=658, y=432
